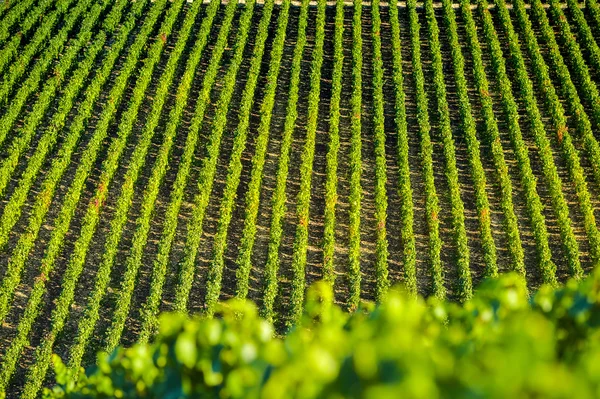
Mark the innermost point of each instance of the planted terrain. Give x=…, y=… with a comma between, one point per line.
x=169, y=155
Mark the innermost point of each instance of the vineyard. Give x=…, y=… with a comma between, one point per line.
x=168, y=155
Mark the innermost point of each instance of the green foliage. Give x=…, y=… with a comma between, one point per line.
x=586, y=36
x=473, y=152
x=511, y=113
x=25, y=135
x=10, y=49
x=14, y=207
x=134, y=260
x=89, y=222
x=594, y=10
x=49, y=53
x=185, y=163
x=464, y=284
x=588, y=88
x=235, y=161
x=331, y=195
x=208, y=170
x=306, y=170
x=568, y=88
x=159, y=271
x=23, y=140
x=43, y=200
x=492, y=138
x=71, y=274
x=14, y=16
x=563, y=136
x=252, y=199
x=355, y=195
x=499, y=344
x=552, y=179
x=279, y=196
x=381, y=201
x=405, y=190
x=432, y=207
x=87, y=325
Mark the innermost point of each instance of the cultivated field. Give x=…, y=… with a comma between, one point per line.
x=167, y=155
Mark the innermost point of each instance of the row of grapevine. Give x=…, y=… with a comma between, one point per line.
x=568, y=88
x=13, y=16
x=473, y=151
x=13, y=273
x=405, y=190
x=89, y=222
x=381, y=246
x=136, y=162
x=252, y=199
x=13, y=208
x=47, y=95
x=138, y=157
x=74, y=89
x=159, y=169
x=113, y=335
x=492, y=138
x=207, y=174
x=553, y=181
x=279, y=196
x=354, y=276
x=528, y=180
x=306, y=171
x=432, y=208
x=36, y=14
x=464, y=283
x=234, y=170
x=38, y=71
x=215, y=273
x=594, y=10
x=44, y=199
x=587, y=86
x=176, y=198
x=63, y=220
x=26, y=241
x=557, y=114
x=331, y=169
x=6, y=8
x=585, y=34
x=25, y=55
